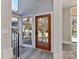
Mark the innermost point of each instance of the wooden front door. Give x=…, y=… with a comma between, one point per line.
x=43, y=32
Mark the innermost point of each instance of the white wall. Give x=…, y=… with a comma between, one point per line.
x=6, y=50
x=34, y=8
x=58, y=5
x=42, y=6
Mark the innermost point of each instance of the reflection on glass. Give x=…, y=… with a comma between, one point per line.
x=14, y=36
x=74, y=29
x=73, y=14
x=27, y=30
x=14, y=28
x=43, y=31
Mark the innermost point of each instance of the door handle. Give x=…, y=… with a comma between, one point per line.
x=36, y=32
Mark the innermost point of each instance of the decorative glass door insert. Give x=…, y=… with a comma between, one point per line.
x=43, y=31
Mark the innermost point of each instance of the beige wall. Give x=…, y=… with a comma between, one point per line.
x=6, y=29
x=66, y=24
x=69, y=3
x=73, y=11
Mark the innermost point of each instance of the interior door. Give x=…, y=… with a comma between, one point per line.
x=43, y=32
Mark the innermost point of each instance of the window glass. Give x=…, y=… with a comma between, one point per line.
x=14, y=22
x=73, y=15
x=27, y=31
x=15, y=5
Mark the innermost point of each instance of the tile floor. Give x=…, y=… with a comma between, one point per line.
x=69, y=52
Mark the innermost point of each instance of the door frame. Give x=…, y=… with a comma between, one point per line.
x=49, y=32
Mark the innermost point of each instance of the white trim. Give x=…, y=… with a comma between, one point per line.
x=37, y=14
x=57, y=8
x=43, y=13
x=20, y=30
x=70, y=36
x=67, y=42
x=33, y=32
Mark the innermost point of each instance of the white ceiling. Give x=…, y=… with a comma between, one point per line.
x=35, y=6
x=68, y=3
x=27, y=7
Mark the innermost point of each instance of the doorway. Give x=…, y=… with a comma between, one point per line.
x=27, y=31
x=43, y=32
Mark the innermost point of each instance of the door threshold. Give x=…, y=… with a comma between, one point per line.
x=26, y=45
x=44, y=50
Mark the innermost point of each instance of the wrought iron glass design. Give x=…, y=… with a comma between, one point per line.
x=74, y=29
x=15, y=37
x=43, y=31
x=15, y=44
